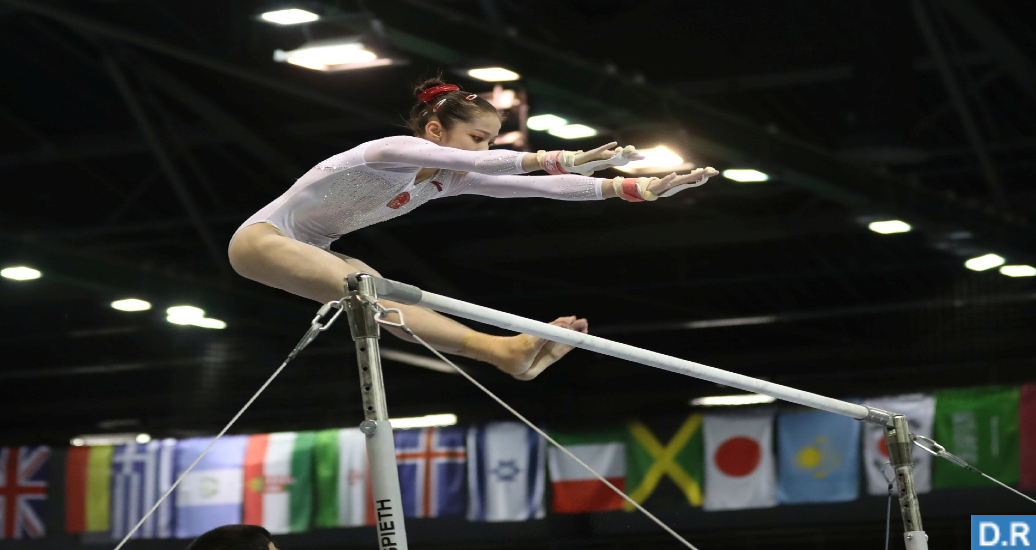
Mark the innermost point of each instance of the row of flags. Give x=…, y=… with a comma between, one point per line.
x=728, y=460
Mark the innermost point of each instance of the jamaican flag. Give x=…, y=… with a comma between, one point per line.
x=665, y=462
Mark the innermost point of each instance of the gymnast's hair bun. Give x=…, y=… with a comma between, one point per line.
x=429, y=83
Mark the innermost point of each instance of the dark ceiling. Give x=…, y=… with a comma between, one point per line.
x=137, y=135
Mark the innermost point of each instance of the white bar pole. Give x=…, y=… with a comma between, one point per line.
x=515, y=323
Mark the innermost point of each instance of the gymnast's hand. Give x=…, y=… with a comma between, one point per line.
x=649, y=189
x=586, y=163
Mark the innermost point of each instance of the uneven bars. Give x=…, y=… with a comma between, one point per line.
x=411, y=295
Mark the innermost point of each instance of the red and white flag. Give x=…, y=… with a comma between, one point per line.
x=920, y=412
x=739, y=465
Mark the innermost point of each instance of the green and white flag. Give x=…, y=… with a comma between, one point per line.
x=980, y=425
x=343, y=494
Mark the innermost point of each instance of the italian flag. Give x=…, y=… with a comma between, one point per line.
x=576, y=490
x=88, y=473
x=279, y=481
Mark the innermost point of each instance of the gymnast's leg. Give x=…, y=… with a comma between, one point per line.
x=262, y=253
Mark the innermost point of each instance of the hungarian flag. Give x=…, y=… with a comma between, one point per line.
x=920, y=412
x=279, y=481
x=1027, y=426
x=665, y=463
x=819, y=457
x=23, y=492
x=739, y=465
x=211, y=495
x=576, y=490
x=343, y=479
x=88, y=473
x=505, y=473
x=980, y=425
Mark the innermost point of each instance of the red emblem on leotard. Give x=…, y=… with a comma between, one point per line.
x=438, y=186
x=399, y=200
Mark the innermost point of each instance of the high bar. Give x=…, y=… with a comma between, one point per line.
x=411, y=295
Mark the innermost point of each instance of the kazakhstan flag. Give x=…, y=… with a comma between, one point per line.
x=818, y=457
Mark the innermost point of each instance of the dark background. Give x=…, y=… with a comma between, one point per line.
x=922, y=110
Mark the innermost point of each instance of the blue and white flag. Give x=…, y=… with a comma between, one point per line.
x=212, y=494
x=506, y=473
x=818, y=456
x=432, y=470
x=141, y=473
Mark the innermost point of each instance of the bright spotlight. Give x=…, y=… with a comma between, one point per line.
x=292, y=16
x=983, y=263
x=20, y=273
x=726, y=400
x=429, y=421
x=657, y=159
x=572, y=131
x=341, y=56
x=889, y=226
x=494, y=74
x=545, y=122
x=131, y=304
x=745, y=175
x=143, y=438
x=1018, y=270
x=206, y=322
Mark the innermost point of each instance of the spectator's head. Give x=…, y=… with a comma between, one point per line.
x=234, y=537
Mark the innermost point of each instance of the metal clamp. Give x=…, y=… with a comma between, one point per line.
x=935, y=449
x=319, y=325
x=383, y=313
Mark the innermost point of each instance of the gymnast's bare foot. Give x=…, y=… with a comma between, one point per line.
x=531, y=355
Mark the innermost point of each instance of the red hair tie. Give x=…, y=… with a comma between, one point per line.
x=430, y=94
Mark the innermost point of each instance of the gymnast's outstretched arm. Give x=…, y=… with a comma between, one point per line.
x=576, y=188
x=402, y=152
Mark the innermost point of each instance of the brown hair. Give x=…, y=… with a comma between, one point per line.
x=453, y=107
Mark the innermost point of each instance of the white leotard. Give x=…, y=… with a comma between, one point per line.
x=375, y=181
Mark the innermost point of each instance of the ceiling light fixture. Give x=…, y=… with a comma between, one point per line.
x=889, y=227
x=332, y=56
x=292, y=16
x=745, y=175
x=982, y=263
x=656, y=160
x=20, y=273
x=428, y=421
x=1018, y=270
x=190, y=315
x=131, y=304
x=572, y=131
x=729, y=400
x=545, y=122
x=494, y=74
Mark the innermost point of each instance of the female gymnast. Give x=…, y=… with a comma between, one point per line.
x=286, y=244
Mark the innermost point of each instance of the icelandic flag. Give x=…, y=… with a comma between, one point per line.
x=506, y=473
x=432, y=466
x=23, y=492
x=141, y=473
x=818, y=457
x=211, y=495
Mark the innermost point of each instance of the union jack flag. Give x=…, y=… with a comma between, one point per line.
x=23, y=491
x=432, y=470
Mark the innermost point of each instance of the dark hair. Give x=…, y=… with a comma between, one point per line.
x=454, y=107
x=233, y=537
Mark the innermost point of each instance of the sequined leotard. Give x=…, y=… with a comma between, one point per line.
x=375, y=181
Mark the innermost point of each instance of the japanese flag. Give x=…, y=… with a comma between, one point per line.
x=920, y=412
x=739, y=465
